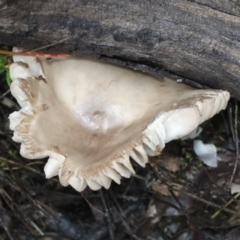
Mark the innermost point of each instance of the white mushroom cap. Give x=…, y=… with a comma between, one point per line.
x=91, y=117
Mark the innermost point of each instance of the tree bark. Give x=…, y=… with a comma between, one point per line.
x=194, y=39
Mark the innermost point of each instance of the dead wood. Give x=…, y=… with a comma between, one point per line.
x=198, y=40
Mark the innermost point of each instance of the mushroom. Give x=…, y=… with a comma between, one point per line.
x=90, y=117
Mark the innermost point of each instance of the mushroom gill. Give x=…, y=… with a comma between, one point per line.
x=91, y=117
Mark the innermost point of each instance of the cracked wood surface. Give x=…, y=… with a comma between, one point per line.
x=197, y=40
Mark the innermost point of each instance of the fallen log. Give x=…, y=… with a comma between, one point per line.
x=196, y=40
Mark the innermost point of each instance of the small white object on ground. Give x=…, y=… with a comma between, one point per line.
x=207, y=153
x=235, y=188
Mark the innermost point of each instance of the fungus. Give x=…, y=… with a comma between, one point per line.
x=207, y=153
x=90, y=117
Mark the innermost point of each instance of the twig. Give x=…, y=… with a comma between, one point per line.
x=108, y=215
x=27, y=166
x=194, y=228
x=90, y=205
x=37, y=228
x=122, y=216
x=211, y=179
x=235, y=138
x=4, y=94
x=37, y=54
x=6, y=229
x=206, y=202
x=226, y=205
x=50, y=45
x=231, y=120
x=24, y=218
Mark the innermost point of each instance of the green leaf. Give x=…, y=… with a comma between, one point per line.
x=2, y=69
x=8, y=79
x=3, y=61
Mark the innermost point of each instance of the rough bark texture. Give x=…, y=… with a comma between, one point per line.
x=195, y=39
